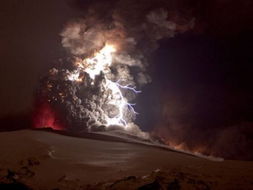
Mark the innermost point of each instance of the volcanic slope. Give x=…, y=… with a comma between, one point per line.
x=37, y=159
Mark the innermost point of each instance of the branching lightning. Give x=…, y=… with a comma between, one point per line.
x=100, y=63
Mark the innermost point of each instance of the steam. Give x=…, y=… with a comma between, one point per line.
x=108, y=67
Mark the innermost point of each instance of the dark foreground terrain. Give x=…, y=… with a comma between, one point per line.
x=48, y=161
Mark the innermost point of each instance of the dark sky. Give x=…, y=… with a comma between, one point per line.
x=30, y=45
x=202, y=79
x=210, y=65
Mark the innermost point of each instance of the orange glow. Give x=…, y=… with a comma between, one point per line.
x=45, y=117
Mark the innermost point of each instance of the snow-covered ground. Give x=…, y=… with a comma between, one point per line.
x=46, y=160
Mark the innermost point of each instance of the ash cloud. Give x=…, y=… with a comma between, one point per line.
x=200, y=124
x=135, y=29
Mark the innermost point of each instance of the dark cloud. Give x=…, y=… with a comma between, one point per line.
x=206, y=101
x=224, y=18
x=209, y=122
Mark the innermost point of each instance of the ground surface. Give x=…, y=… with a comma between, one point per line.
x=45, y=160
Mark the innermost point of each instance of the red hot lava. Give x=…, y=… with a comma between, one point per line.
x=46, y=117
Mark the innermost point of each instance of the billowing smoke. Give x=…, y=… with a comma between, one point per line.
x=195, y=123
x=108, y=49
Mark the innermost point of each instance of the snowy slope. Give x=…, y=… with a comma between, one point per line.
x=45, y=160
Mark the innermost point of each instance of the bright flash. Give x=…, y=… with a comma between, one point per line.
x=93, y=66
x=100, y=62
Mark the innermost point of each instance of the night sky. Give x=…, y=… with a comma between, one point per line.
x=201, y=93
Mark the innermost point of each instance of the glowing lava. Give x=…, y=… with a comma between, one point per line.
x=45, y=117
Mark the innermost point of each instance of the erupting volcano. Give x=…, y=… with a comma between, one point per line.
x=104, y=93
x=126, y=94
x=107, y=67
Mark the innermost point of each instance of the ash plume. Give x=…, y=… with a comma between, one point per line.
x=109, y=48
x=182, y=125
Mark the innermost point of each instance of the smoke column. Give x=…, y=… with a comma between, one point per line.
x=108, y=50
